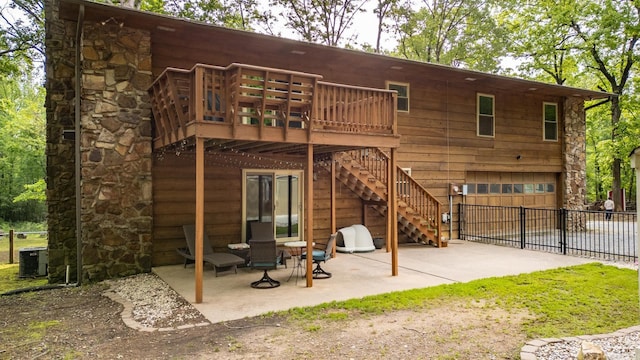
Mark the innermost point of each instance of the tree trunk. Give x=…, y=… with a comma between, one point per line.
x=616, y=165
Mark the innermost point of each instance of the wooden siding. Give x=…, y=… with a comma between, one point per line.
x=174, y=205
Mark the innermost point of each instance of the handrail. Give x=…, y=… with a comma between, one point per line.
x=409, y=191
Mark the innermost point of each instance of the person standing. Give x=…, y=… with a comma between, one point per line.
x=609, y=205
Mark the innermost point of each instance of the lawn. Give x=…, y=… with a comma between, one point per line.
x=9, y=279
x=31, y=240
x=585, y=299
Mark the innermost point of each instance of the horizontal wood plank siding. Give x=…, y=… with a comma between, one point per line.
x=174, y=205
x=438, y=135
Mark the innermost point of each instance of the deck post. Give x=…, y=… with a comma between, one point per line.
x=393, y=213
x=390, y=208
x=309, y=213
x=198, y=99
x=199, y=217
x=333, y=199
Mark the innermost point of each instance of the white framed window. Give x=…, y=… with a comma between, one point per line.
x=486, y=115
x=403, y=94
x=550, y=121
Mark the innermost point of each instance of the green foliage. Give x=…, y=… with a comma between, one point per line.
x=34, y=191
x=590, y=44
x=22, y=146
x=21, y=35
x=585, y=299
x=241, y=14
x=459, y=33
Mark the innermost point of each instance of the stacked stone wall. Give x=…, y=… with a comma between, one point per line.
x=60, y=86
x=575, y=161
x=116, y=151
x=116, y=204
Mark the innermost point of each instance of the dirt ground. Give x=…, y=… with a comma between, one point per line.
x=81, y=323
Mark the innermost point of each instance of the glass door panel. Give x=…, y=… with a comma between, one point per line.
x=273, y=196
x=287, y=206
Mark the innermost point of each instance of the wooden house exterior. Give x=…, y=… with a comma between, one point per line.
x=182, y=122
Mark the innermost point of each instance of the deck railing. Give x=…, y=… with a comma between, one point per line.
x=246, y=95
x=354, y=109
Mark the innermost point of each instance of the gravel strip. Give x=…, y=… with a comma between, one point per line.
x=153, y=303
x=615, y=348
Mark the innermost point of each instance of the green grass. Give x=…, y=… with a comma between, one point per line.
x=9, y=279
x=32, y=240
x=585, y=299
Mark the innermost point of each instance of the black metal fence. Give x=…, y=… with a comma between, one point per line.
x=568, y=232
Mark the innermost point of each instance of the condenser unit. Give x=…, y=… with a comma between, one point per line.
x=33, y=262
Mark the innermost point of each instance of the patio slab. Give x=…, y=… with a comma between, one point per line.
x=229, y=296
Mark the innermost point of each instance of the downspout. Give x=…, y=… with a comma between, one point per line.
x=78, y=137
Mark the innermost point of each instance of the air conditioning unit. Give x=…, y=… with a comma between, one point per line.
x=33, y=262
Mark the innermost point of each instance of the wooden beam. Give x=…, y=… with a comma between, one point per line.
x=333, y=200
x=309, y=213
x=390, y=210
x=199, y=94
x=199, y=216
x=393, y=200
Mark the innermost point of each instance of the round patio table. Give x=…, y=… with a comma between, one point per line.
x=297, y=266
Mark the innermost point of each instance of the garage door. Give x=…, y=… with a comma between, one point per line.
x=512, y=189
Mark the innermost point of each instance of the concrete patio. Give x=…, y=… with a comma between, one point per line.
x=229, y=296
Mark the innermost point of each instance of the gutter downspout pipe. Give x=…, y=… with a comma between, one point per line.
x=78, y=140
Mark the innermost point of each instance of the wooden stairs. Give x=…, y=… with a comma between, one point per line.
x=365, y=172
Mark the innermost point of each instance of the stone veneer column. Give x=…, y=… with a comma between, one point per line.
x=574, y=173
x=116, y=151
x=60, y=67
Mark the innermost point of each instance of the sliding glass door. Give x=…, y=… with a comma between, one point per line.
x=273, y=196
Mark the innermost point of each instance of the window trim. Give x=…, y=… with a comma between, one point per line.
x=406, y=85
x=544, y=121
x=493, y=115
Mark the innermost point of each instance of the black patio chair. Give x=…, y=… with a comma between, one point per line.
x=264, y=256
x=319, y=256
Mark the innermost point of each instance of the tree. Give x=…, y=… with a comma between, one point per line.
x=22, y=144
x=458, y=33
x=21, y=35
x=321, y=21
x=239, y=14
x=607, y=33
x=539, y=40
x=383, y=11
x=586, y=43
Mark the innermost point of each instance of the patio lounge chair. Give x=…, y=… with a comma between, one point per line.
x=220, y=261
x=264, y=256
x=319, y=256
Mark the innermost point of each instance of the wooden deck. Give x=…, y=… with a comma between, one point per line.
x=241, y=104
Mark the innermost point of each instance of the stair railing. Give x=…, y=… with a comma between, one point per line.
x=409, y=191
